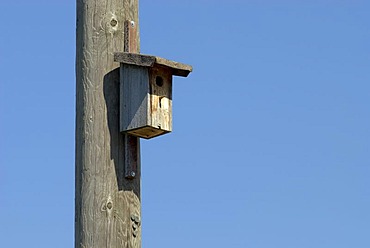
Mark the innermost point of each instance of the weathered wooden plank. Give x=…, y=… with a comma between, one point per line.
x=160, y=98
x=104, y=198
x=134, y=59
x=134, y=97
x=178, y=69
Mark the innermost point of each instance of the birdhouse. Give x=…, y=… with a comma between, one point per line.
x=146, y=93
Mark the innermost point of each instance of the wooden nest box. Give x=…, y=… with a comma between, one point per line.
x=146, y=93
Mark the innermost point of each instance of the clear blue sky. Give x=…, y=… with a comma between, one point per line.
x=270, y=147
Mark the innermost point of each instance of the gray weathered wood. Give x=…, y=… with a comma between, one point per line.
x=178, y=69
x=107, y=205
x=146, y=100
x=134, y=97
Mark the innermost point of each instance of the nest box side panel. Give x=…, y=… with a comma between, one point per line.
x=161, y=98
x=134, y=97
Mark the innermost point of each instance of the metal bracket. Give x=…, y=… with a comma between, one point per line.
x=132, y=155
x=131, y=143
x=130, y=34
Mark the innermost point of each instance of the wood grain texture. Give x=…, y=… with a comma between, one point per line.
x=105, y=201
x=134, y=97
x=146, y=100
x=161, y=98
x=177, y=68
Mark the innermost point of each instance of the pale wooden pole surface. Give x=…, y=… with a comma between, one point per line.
x=107, y=204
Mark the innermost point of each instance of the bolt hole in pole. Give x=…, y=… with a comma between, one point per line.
x=113, y=22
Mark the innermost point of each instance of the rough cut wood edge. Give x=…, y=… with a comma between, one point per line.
x=178, y=69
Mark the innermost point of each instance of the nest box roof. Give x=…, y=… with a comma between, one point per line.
x=178, y=69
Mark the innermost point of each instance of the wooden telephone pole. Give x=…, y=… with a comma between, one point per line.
x=116, y=104
x=107, y=203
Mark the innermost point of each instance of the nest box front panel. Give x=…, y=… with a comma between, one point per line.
x=161, y=98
